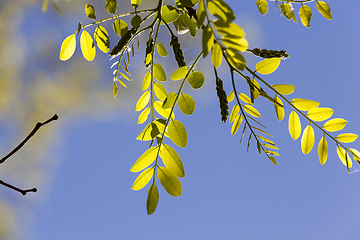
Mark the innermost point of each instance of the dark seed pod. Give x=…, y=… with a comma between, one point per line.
x=122, y=42
x=148, y=50
x=224, y=108
x=179, y=56
x=264, y=53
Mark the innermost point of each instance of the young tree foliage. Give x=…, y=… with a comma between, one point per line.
x=224, y=41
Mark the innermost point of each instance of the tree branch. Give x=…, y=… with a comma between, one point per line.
x=23, y=192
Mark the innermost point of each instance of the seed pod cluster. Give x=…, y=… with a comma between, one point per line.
x=222, y=99
x=122, y=42
x=179, y=56
x=148, y=50
x=264, y=53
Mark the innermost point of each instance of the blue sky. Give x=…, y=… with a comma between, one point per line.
x=228, y=193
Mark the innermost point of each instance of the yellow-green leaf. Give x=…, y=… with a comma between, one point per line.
x=159, y=73
x=335, y=124
x=245, y=98
x=255, y=91
x=45, y=5
x=288, y=12
x=147, y=158
x=90, y=11
x=111, y=6
x=252, y=111
x=320, y=114
x=229, y=29
x=305, y=14
x=169, y=101
x=169, y=181
x=284, y=89
x=172, y=160
x=280, y=112
x=67, y=47
x=268, y=66
x=231, y=96
x=143, y=179
x=207, y=40
x=186, y=104
x=344, y=157
x=236, y=59
x=146, y=81
x=169, y=14
x=160, y=91
x=201, y=13
x=236, y=44
x=304, y=104
x=294, y=125
x=143, y=101
x=323, y=150
x=262, y=6
x=177, y=133
x=347, y=137
x=152, y=199
x=115, y=89
x=273, y=160
x=234, y=112
x=216, y=55
x=162, y=111
x=144, y=115
x=136, y=21
x=266, y=140
x=196, y=79
x=221, y=10
x=120, y=27
x=135, y=3
x=179, y=74
x=161, y=49
x=324, y=9
x=237, y=122
x=307, y=139
x=148, y=132
x=356, y=154
x=87, y=46
x=102, y=39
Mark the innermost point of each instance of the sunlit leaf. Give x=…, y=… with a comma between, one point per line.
x=216, y=55
x=229, y=29
x=172, y=160
x=266, y=140
x=45, y=5
x=186, y=104
x=231, y=96
x=221, y=10
x=207, y=40
x=115, y=91
x=144, y=115
x=90, y=11
x=236, y=59
x=356, y=154
x=236, y=44
x=280, y=112
x=272, y=152
x=304, y=104
x=269, y=146
x=68, y=47
x=146, y=81
x=234, y=112
x=294, y=125
x=143, y=179
x=252, y=111
x=177, y=133
x=169, y=101
x=169, y=181
x=160, y=91
x=161, y=49
x=120, y=27
x=135, y=3
x=147, y=158
x=237, y=122
x=245, y=98
x=143, y=101
x=196, y=79
x=335, y=124
x=320, y=114
x=344, y=157
x=147, y=132
x=255, y=91
x=288, y=12
x=111, y=6
x=268, y=66
x=162, y=111
x=102, y=39
x=201, y=13
x=179, y=74
x=159, y=73
x=323, y=150
x=182, y=24
x=152, y=199
x=186, y=3
x=307, y=139
x=87, y=46
x=169, y=14
x=324, y=9
x=262, y=6
x=284, y=89
x=305, y=14
x=347, y=137
x=273, y=160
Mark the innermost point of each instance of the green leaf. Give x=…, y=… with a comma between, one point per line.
x=179, y=74
x=207, y=40
x=90, y=11
x=169, y=181
x=280, y=112
x=245, y=98
x=344, y=157
x=304, y=104
x=143, y=179
x=160, y=91
x=186, y=3
x=236, y=59
x=305, y=14
x=111, y=6
x=221, y=10
x=147, y=158
x=152, y=199
x=294, y=125
x=262, y=6
x=252, y=111
x=186, y=104
x=162, y=111
x=273, y=160
x=288, y=12
x=120, y=27
x=347, y=137
x=146, y=81
x=169, y=14
x=307, y=139
x=255, y=92
x=143, y=101
x=102, y=39
x=136, y=21
x=135, y=3
x=172, y=160
x=237, y=122
x=161, y=49
x=324, y=9
x=67, y=47
x=201, y=13
x=236, y=44
x=268, y=66
x=216, y=55
x=335, y=124
x=234, y=112
x=144, y=115
x=147, y=133
x=320, y=114
x=323, y=150
x=284, y=89
x=169, y=101
x=177, y=133
x=229, y=29
x=87, y=46
x=182, y=24
x=159, y=73
x=196, y=79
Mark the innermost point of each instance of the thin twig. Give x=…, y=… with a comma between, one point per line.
x=23, y=192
